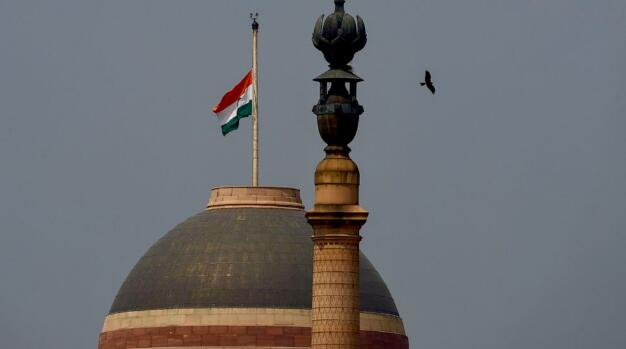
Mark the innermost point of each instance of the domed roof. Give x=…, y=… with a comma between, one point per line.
x=243, y=251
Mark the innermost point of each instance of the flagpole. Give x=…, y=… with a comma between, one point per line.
x=255, y=103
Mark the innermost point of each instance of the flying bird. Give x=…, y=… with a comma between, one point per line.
x=428, y=82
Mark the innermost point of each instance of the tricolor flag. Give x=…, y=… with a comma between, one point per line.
x=236, y=104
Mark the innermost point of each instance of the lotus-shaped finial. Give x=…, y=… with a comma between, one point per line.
x=339, y=37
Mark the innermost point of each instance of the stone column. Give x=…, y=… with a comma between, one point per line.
x=337, y=217
x=336, y=220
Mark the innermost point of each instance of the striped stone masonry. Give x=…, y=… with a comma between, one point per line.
x=233, y=337
x=235, y=328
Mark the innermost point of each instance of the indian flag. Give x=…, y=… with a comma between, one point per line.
x=236, y=104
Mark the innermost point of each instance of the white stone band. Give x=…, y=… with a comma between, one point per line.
x=238, y=317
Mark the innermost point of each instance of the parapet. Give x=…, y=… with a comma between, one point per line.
x=260, y=197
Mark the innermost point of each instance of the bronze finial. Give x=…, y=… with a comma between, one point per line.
x=339, y=37
x=339, y=5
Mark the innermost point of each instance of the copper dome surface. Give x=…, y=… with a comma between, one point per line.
x=253, y=256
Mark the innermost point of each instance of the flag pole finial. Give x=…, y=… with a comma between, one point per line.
x=254, y=16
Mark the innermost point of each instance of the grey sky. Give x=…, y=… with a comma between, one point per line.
x=497, y=207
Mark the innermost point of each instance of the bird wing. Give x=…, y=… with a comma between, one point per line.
x=427, y=78
x=431, y=87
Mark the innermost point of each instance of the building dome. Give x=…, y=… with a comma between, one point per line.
x=237, y=275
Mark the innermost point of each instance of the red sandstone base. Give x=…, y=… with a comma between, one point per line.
x=225, y=336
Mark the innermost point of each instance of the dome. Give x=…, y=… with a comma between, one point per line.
x=237, y=257
x=249, y=254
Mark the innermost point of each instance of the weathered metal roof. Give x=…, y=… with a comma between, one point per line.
x=338, y=75
x=236, y=257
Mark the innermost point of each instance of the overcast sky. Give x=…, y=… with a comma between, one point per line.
x=497, y=207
